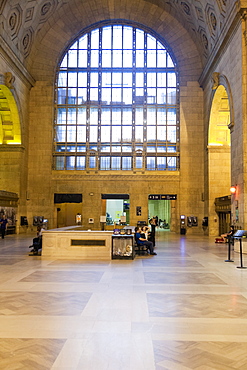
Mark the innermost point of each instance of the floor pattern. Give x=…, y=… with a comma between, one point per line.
x=184, y=309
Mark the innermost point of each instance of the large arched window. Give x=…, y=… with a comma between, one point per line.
x=116, y=105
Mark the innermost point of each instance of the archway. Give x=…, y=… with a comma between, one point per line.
x=219, y=154
x=10, y=129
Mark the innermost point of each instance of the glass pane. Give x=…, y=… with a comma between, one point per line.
x=117, y=79
x=171, y=96
x=93, y=116
x=59, y=163
x=127, y=96
x=64, y=62
x=171, y=116
x=82, y=59
x=127, y=116
x=139, y=79
x=117, y=37
x=106, y=79
x=94, y=94
x=116, y=163
x=82, y=116
x=127, y=133
x=92, y=162
x=116, y=117
x=138, y=162
x=161, y=133
x=151, y=79
x=161, y=59
x=105, y=134
x=127, y=79
x=161, y=79
x=151, y=116
x=150, y=163
x=105, y=148
x=171, y=80
x=151, y=96
x=72, y=94
x=171, y=134
x=161, y=116
x=117, y=58
x=106, y=116
x=72, y=58
x=61, y=134
x=161, y=163
x=62, y=79
x=151, y=58
x=139, y=134
x=82, y=79
x=82, y=96
x=169, y=61
x=127, y=58
x=83, y=42
x=81, y=163
x=94, y=79
x=106, y=96
x=61, y=116
x=72, y=79
x=140, y=58
x=105, y=163
x=81, y=134
x=161, y=96
x=71, y=119
x=116, y=133
x=151, y=133
x=126, y=163
x=71, y=134
x=127, y=37
x=93, y=137
x=140, y=99
x=172, y=163
x=106, y=37
x=95, y=39
x=81, y=148
x=126, y=148
x=161, y=149
x=116, y=95
x=151, y=149
x=106, y=58
x=70, y=163
x=61, y=96
x=116, y=148
x=139, y=39
x=139, y=116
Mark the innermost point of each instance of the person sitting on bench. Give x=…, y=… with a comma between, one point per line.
x=141, y=241
x=229, y=234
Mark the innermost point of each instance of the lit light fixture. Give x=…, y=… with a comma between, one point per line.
x=233, y=189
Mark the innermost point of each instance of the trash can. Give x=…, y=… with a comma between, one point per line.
x=182, y=231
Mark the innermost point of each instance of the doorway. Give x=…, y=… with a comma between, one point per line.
x=162, y=209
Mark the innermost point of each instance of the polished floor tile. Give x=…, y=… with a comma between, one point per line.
x=185, y=308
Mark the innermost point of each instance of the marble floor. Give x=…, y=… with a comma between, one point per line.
x=185, y=308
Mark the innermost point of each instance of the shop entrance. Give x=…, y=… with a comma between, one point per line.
x=116, y=208
x=162, y=209
x=68, y=207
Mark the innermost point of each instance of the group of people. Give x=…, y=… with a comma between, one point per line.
x=143, y=237
x=3, y=225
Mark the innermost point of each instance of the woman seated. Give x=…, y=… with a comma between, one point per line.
x=228, y=235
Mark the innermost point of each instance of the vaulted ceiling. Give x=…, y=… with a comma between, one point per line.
x=33, y=28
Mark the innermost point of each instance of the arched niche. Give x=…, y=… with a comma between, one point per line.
x=219, y=150
x=10, y=128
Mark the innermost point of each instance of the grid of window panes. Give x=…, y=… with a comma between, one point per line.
x=116, y=103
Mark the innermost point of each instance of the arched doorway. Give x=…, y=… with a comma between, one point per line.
x=10, y=128
x=219, y=153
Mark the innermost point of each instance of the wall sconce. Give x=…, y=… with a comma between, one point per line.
x=233, y=190
x=91, y=194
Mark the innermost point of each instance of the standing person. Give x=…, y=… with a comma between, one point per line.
x=4, y=225
x=153, y=223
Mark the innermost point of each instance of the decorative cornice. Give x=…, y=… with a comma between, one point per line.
x=11, y=148
x=124, y=177
x=14, y=63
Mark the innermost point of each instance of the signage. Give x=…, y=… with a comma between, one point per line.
x=162, y=196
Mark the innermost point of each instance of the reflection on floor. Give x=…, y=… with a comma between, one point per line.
x=185, y=308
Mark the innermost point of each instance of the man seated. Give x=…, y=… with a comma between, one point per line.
x=140, y=240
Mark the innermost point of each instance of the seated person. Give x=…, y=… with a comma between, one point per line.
x=141, y=240
x=229, y=234
x=146, y=233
